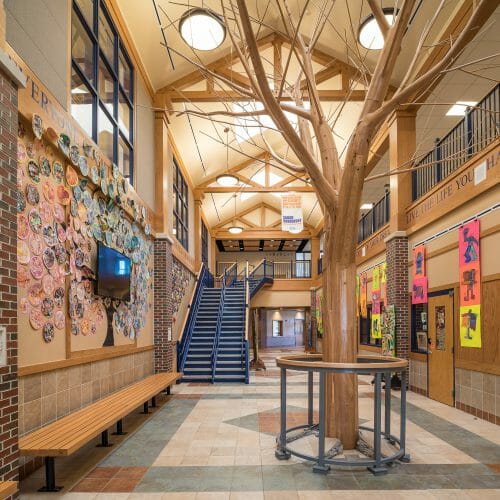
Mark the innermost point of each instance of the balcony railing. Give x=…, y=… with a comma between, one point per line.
x=377, y=217
x=478, y=129
x=295, y=269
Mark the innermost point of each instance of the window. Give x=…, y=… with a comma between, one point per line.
x=277, y=328
x=181, y=206
x=102, y=83
x=204, y=243
x=419, y=328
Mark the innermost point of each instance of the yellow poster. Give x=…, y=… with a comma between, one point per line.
x=376, y=278
x=383, y=282
x=376, y=326
x=470, y=326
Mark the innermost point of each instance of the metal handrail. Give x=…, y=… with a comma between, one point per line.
x=187, y=333
x=231, y=274
x=366, y=365
x=245, y=347
x=215, y=347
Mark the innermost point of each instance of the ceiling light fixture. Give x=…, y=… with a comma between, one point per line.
x=295, y=231
x=235, y=229
x=369, y=34
x=366, y=206
x=202, y=29
x=227, y=180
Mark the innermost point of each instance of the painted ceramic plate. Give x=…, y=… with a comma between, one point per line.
x=94, y=174
x=73, y=207
x=23, y=228
x=83, y=165
x=75, y=328
x=115, y=171
x=85, y=326
x=104, y=186
x=74, y=154
x=59, y=296
x=77, y=223
x=37, y=124
x=36, y=267
x=21, y=176
x=24, y=305
x=59, y=320
x=45, y=168
x=35, y=294
x=35, y=220
x=64, y=143
x=79, y=257
x=21, y=151
x=112, y=189
x=23, y=275
x=49, y=258
x=48, y=332
x=49, y=235
x=61, y=232
x=47, y=307
x=80, y=291
x=48, y=192
x=32, y=194
x=58, y=171
x=59, y=212
x=48, y=284
x=46, y=212
x=36, y=319
x=87, y=150
x=60, y=254
x=20, y=201
x=87, y=198
x=36, y=244
x=71, y=176
x=77, y=193
x=23, y=252
x=34, y=170
x=63, y=195
x=102, y=171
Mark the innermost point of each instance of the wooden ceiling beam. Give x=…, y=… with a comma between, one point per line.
x=257, y=189
x=265, y=234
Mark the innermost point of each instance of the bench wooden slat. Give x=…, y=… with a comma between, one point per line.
x=71, y=432
x=7, y=488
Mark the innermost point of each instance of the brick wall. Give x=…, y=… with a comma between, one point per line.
x=8, y=277
x=397, y=290
x=164, y=348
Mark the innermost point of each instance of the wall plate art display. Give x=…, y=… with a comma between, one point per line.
x=469, y=265
x=62, y=215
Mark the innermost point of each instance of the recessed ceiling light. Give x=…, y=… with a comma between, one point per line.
x=369, y=34
x=460, y=107
x=202, y=29
x=366, y=206
x=227, y=180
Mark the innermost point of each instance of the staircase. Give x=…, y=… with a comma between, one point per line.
x=214, y=343
x=198, y=364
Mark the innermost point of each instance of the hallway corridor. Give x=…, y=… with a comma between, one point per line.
x=218, y=442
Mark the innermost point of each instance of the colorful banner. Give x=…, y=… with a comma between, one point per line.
x=319, y=312
x=376, y=326
x=470, y=284
x=291, y=213
x=357, y=295
x=363, y=291
x=376, y=290
x=383, y=282
x=419, y=283
x=389, y=331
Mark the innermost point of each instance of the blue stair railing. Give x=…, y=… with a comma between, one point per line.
x=204, y=279
x=215, y=348
x=260, y=275
x=245, y=346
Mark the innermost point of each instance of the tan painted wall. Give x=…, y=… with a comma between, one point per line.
x=267, y=298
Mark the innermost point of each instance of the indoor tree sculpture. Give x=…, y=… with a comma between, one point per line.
x=338, y=186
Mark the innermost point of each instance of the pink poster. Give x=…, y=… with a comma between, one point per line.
x=419, y=291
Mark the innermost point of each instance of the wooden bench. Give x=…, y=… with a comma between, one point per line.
x=70, y=433
x=7, y=488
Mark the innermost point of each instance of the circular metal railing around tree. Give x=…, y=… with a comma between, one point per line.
x=377, y=366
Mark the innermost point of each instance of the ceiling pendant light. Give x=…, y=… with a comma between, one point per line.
x=202, y=29
x=369, y=34
x=227, y=179
x=235, y=229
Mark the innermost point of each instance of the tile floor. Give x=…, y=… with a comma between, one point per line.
x=218, y=441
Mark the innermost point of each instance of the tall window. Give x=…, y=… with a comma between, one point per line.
x=181, y=206
x=102, y=93
x=204, y=243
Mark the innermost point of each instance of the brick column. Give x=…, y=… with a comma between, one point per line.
x=397, y=288
x=11, y=78
x=164, y=347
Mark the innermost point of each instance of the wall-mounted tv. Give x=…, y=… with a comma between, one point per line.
x=113, y=273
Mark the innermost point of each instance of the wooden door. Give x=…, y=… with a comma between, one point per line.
x=441, y=376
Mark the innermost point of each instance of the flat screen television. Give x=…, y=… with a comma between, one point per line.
x=113, y=273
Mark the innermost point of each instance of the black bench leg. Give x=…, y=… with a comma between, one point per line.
x=145, y=411
x=50, y=476
x=119, y=429
x=104, y=440
x=153, y=401
x=168, y=390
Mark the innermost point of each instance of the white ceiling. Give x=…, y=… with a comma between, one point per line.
x=204, y=138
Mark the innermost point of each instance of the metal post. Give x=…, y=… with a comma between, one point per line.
x=402, y=436
x=281, y=453
x=119, y=429
x=104, y=440
x=469, y=127
x=145, y=410
x=437, y=147
x=387, y=412
x=50, y=477
x=320, y=467
x=378, y=468
x=310, y=397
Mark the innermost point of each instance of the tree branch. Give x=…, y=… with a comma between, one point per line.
x=379, y=17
